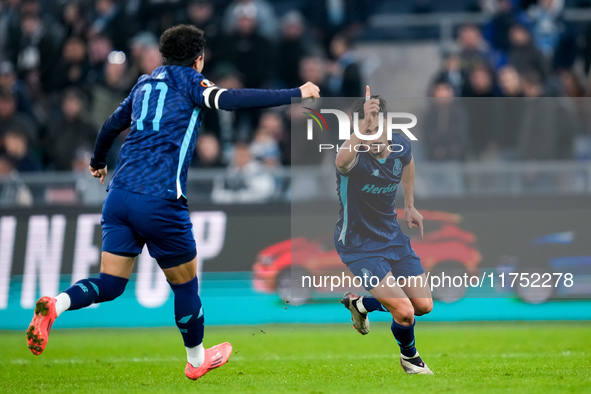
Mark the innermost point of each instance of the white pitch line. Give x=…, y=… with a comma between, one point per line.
x=273, y=357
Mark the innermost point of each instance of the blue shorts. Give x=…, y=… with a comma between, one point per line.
x=401, y=260
x=132, y=220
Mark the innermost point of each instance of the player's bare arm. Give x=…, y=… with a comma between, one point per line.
x=412, y=217
x=346, y=157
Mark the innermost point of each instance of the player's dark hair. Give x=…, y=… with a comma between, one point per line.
x=181, y=45
x=358, y=106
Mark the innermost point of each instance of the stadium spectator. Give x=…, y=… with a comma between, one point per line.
x=545, y=23
x=524, y=56
x=451, y=72
x=71, y=68
x=33, y=50
x=109, y=19
x=74, y=19
x=151, y=59
x=251, y=53
x=547, y=128
x=329, y=17
x=265, y=148
x=5, y=13
x=272, y=122
x=586, y=48
x=345, y=74
x=291, y=48
x=201, y=13
x=472, y=48
x=496, y=31
x=140, y=43
x=313, y=68
x=99, y=47
x=87, y=191
x=69, y=132
x=571, y=84
x=207, y=152
x=445, y=126
x=483, y=114
x=16, y=145
x=12, y=190
x=509, y=82
x=10, y=83
x=480, y=83
x=230, y=126
x=259, y=10
x=107, y=94
x=10, y=118
x=512, y=109
x=246, y=181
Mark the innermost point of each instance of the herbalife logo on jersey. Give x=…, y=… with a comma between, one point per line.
x=373, y=189
x=395, y=121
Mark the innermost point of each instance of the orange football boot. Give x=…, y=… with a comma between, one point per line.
x=38, y=332
x=214, y=357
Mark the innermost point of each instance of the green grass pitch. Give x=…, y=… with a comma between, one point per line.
x=466, y=357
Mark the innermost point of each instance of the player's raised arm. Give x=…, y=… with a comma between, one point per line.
x=117, y=122
x=347, y=155
x=234, y=99
x=412, y=217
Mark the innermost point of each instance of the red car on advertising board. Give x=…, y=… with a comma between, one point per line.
x=444, y=248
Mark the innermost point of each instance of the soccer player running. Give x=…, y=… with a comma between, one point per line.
x=146, y=203
x=367, y=236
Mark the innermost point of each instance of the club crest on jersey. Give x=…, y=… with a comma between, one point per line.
x=376, y=172
x=206, y=83
x=397, y=167
x=366, y=273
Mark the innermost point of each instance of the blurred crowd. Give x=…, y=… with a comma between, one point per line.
x=525, y=49
x=66, y=65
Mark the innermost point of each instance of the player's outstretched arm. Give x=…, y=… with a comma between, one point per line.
x=347, y=155
x=117, y=122
x=412, y=217
x=234, y=99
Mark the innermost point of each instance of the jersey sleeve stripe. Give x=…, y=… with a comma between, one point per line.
x=343, y=189
x=217, y=97
x=206, y=96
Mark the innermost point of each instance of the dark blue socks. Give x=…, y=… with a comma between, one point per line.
x=371, y=304
x=405, y=336
x=188, y=312
x=94, y=290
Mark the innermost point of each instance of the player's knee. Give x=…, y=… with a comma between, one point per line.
x=109, y=287
x=423, y=307
x=404, y=314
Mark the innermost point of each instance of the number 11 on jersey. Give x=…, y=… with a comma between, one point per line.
x=158, y=115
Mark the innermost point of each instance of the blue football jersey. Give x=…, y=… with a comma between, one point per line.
x=166, y=109
x=367, y=219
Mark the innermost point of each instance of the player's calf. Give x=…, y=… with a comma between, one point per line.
x=95, y=290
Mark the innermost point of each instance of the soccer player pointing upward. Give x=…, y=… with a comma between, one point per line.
x=146, y=203
x=367, y=236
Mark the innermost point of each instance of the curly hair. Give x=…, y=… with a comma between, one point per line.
x=181, y=45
